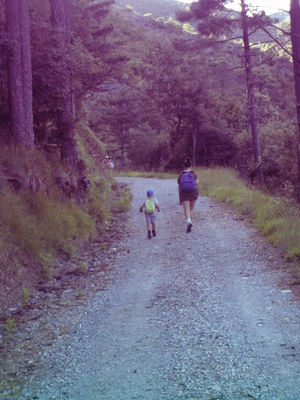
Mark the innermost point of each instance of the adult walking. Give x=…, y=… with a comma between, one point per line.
x=188, y=192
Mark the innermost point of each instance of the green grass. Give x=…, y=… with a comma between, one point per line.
x=278, y=219
x=151, y=174
x=40, y=220
x=40, y=225
x=122, y=204
x=25, y=296
x=10, y=327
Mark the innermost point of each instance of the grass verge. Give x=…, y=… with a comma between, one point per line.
x=151, y=174
x=277, y=218
x=46, y=215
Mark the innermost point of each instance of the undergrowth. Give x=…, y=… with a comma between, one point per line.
x=43, y=214
x=276, y=217
x=123, y=202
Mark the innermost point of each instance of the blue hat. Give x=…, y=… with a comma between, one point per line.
x=150, y=192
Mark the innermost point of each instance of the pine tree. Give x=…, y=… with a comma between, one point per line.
x=61, y=23
x=215, y=20
x=20, y=72
x=295, y=36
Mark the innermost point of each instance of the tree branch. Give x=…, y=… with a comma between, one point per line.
x=281, y=30
x=263, y=28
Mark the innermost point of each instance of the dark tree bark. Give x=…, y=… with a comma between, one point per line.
x=60, y=19
x=20, y=72
x=252, y=106
x=194, y=141
x=123, y=161
x=295, y=36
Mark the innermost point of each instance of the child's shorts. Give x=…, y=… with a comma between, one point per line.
x=150, y=218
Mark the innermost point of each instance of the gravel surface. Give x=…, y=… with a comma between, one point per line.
x=205, y=315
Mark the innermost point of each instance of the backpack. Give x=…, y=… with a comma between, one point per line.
x=150, y=206
x=187, y=183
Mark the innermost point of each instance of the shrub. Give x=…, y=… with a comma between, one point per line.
x=123, y=203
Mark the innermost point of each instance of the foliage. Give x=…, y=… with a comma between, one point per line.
x=84, y=267
x=124, y=202
x=97, y=200
x=10, y=327
x=90, y=148
x=39, y=224
x=25, y=296
x=38, y=216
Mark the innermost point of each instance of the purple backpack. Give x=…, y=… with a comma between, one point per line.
x=187, y=182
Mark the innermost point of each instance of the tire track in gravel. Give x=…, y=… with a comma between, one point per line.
x=190, y=316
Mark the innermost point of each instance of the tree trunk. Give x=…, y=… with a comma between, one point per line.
x=60, y=19
x=295, y=36
x=122, y=148
x=252, y=106
x=20, y=72
x=194, y=142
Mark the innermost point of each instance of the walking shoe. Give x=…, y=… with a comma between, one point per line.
x=153, y=233
x=149, y=235
x=189, y=227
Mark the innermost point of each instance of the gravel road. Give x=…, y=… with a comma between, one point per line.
x=206, y=315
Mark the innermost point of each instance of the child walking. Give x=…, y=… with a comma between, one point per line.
x=150, y=205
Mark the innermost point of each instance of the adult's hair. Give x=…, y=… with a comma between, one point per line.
x=187, y=162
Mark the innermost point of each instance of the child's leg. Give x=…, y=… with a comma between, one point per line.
x=153, y=229
x=148, y=221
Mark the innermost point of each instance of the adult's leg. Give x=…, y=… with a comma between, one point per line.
x=187, y=209
x=192, y=204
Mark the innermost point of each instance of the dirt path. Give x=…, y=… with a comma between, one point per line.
x=205, y=315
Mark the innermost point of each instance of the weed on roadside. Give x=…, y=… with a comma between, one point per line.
x=10, y=327
x=123, y=203
x=84, y=267
x=25, y=296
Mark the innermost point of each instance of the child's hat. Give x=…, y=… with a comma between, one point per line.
x=150, y=192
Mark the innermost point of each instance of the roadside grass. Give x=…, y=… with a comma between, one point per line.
x=277, y=218
x=39, y=220
x=144, y=174
x=40, y=225
x=46, y=215
x=123, y=202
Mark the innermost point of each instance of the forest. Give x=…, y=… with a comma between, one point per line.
x=146, y=84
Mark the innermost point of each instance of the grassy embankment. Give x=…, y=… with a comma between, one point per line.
x=277, y=218
x=43, y=214
x=151, y=174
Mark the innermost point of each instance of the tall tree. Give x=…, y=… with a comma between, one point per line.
x=252, y=105
x=295, y=36
x=214, y=22
x=61, y=23
x=20, y=72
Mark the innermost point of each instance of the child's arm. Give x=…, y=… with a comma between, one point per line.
x=142, y=207
x=156, y=205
